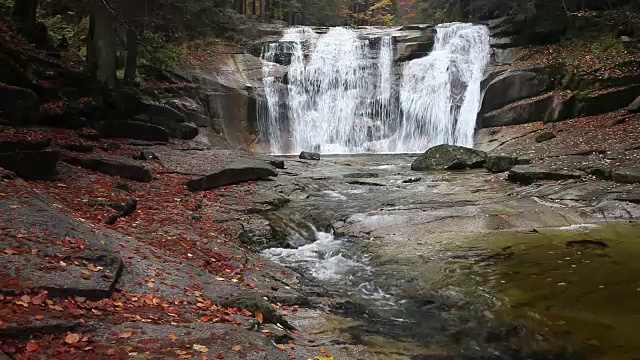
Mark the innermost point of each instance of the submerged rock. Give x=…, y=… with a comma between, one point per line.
x=500, y=163
x=449, y=157
x=527, y=174
x=231, y=174
x=305, y=155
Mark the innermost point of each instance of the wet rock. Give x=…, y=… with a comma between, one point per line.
x=545, y=136
x=500, y=163
x=24, y=144
x=278, y=164
x=441, y=157
x=305, y=155
x=253, y=303
x=231, y=174
x=114, y=166
x=528, y=174
x=78, y=147
x=628, y=175
x=413, y=50
x=145, y=155
x=133, y=130
x=634, y=107
x=411, y=180
x=364, y=183
x=185, y=131
x=512, y=86
x=19, y=106
x=7, y=175
x=364, y=175
x=31, y=165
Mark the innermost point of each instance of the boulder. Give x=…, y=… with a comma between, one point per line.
x=562, y=107
x=528, y=174
x=198, y=119
x=500, y=163
x=133, y=130
x=628, y=175
x=9, y=145
x=603, y=102
x=545, y=136
x=306, y=155
x=31, y=165
x=634, y=107
x=158, y=112
x=522, y=112
x=19, y=106
x=278, y=164
x=231, y=174
x=120, y=167
x=442, y=157
x=185, y=131
x=512, y=86
x=78, y=147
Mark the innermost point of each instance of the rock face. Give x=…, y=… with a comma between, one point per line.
x=545, y=136
x=119, y=167
x=500, y=163
x=231, y=174
x=512, y=86
x=603, y=102
x=19, y=106
x=519, y=113
x=133, y=130
x=305, y=155
x=528, y=174
x=413, y=50
x=31, y=165
x=450, y=157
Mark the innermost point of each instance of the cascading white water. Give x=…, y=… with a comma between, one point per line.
x=343, y=98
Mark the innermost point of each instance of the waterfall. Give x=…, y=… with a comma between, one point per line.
x=340, y=94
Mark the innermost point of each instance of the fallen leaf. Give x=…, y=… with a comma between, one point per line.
x=200, y=348
x=173, y=336
x=281, y=347
x=126, y=334
x=219, y=356
x=236, y=347
x=259, y=316
x=72, y=338
x=111, y=352
x=32, y=346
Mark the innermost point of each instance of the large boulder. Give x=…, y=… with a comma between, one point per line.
x=512, y=86
x=19, y=106
x=124, y=168
x=500, y=163
x=158, y=112
x=133, y=130
x=31, y=165
x=413, y=50
x=8, y=145
x=522, y=112
x=528, y=174
x=450, y=157
x=231, y=174
x=601, y=102
x=185, y=131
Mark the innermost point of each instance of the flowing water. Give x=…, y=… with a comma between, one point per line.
x=340, y=94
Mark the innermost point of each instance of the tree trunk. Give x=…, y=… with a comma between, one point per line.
x=132, y=55
x=101, y=49
x=24, y=11
x=253, y=7
x=263, y=8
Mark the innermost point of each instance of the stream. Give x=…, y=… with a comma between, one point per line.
x=454, y=266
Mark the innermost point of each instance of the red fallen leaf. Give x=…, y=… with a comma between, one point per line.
x=219, y=356
x=111, y=352
x=32, y=346
x=40, y=298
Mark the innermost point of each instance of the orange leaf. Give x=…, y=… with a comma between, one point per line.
x=259, y=316
x=281, y=347
x=72, y=338
x=236, y=347
x=173, y=337
x=126, y=334
x=219, y=356
x=32, y=346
